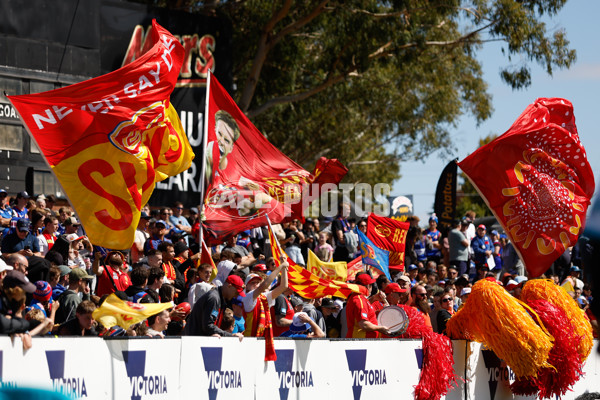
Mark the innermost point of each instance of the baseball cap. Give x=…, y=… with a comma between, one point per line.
x=17, y=278
x=394, y=288
x=72, y=237
x=23, y=225
x=64, y=270
x=71, y=221
x=251, y=277
x=481, y=226
x=41, y=197
x=511, y=284
x=495, y=232
x=433, y=218
x=43, y=291
x=520, y=279
x=364, y=279
x=23, y=195
x=160, y=221
x=404, y=278
x=466, y=290
x=4, y=266
x=298, y=325
x=575, y=268
x=412, y=267
x=79, y=273
x=259, y=267
x=2, y=191
x=194, y=210
x=144, y=215
x=237, y=283
x=465, y=221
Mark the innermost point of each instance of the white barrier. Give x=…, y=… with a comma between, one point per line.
x=212, y=368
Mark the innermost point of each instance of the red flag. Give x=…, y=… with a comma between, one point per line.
x=389, y=234
x=247, y=178
x=537, y=181
x=108, y=140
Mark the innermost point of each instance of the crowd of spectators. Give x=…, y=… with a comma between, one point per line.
x=52, y=278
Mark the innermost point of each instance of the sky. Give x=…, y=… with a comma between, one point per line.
x=580, y=84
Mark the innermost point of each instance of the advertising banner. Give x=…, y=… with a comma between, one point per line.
x=144, y=369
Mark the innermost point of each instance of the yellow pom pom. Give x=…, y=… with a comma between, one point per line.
x=495, y=318
x=545, y=289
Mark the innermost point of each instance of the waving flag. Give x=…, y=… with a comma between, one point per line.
x=537, y=181
x=115, y=311
x=373, y=255
x=337, y=270
x=388, y=234
x=247, y=178
x=303, y=282
x=108, y=140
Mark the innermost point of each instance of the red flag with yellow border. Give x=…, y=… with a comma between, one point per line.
x=108, y=140
x=389, y=234
x=306, y=284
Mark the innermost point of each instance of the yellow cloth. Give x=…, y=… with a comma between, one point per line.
x=115, y=311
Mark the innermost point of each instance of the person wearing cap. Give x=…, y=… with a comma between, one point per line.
x=572, y=280
x=459, y=245
x=42, y=300
x=433, y=236
x=207, y=314
x=70, y=298
x=303, y=327
x=332, y=316
x=182, y=261
x=112, y=275
x=58, y=278
x=159, y=231
x=48, y=236
x=71, y=225
x=482, y=246
x=412, y=271
x=237, y=306
x=396, y=295
x=21, y=241
x=4, y=268
x=404, y=282
x=259, y=300
x=360, y=314
x=179, y=222
x=20, y=210
x=139, y=238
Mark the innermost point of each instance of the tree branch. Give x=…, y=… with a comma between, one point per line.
x=318, y=10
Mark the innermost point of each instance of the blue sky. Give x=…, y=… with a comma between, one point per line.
x=580, y=85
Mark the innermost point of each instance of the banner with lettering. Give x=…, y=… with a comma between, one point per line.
x=445, y=195
x=247, y=178
x=108, y=140
x=389, y=234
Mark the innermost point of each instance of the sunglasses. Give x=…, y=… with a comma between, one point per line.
x=179, y=208
x=447, y=299
x=421, y=294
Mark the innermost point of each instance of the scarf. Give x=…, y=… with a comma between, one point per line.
x=262, y=326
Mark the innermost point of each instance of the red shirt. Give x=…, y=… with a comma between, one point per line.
x=105, y=283
x=359, y=309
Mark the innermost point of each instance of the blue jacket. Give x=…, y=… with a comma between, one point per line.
x=480, y=245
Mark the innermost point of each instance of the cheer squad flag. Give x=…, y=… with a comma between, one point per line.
x=537, y=181
x=373, y=255
x=247, y=178
x=389, y=234
x=108, y=140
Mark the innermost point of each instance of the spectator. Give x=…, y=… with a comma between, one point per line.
x=70, y=298
x=83, y=324
x=434, y=240
x=158, y=323
x=139, y=280
x=21, y=241
x=360, y=315
x=139, y=239
x=238, y=314
x=446, y=311
x=339, y=228
x=459, y=246
x=395, y=294
x=159, y=231
x=303, y=327
x=19, y=210
x=332, y=316
x=419, y=301
x=156, y=277
x=179, y=222
x=202, y=284
x=482, y=247
x=112, y=275
x=323, y=249
x=71, y=225
x=48, y=236
x=232, y=246
x=5, y=210
x=59, y=284
x=208, y=311
x=172, y=275
x=18, y=262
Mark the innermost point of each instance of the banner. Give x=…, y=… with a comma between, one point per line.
x=354, y=267
x=445, y=195
x=247, y=178
x=373, y=255
x=537, y=181
x=388, y=234
x=109, y=139
x=303, y=282
x=329, y=270
x=115, y=311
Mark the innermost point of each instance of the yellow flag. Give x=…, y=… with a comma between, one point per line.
x=337, y=271
x=115, y=311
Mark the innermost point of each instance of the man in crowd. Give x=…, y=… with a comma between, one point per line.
x=82, y=324
x=210, y=308
x=20, y=210
x=21, y=242
x=419, y=301
x=141, y=235
x=179, y=222
x=112, y=275
x=395, y=294
x=459, y=246
x=202, y=284
x=482, y=246
x=159, y=232
x=77, y=292
x=48, y=235
x=360, y=315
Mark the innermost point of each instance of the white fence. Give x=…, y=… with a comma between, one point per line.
x=212, y=368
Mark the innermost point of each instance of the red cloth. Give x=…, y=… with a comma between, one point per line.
x=389, y=234
x=358, y=309
x=247, y=177
x=537, y=181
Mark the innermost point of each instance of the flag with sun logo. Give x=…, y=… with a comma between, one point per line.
x=537, y=181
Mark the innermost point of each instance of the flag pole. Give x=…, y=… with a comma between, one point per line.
x=204, y=143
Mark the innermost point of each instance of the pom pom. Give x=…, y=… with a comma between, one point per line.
x=495, y=318
x=437, y=374
x=544, y=289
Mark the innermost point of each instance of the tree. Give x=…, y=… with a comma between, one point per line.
x=375, y=83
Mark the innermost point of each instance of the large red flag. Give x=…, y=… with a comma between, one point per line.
x=537, y=181
x=388, y=234
x=247, y=178
x=108, y=140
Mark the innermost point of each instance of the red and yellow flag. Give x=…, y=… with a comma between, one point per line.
x=115, y=311
x=336, y=270
x=389, y=234
x=305, y=283
x=206, y=258
x=108, y=140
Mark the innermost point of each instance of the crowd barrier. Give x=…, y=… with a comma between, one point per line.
x=213, y=368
